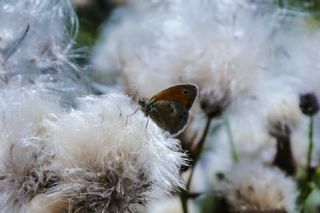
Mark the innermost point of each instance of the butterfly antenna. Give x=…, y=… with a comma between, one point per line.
x=131, y=114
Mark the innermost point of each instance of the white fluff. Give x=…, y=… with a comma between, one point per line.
x=108, y=161
x=24, y=155
x=168, y=45
x=251, y=186
x=169, y=204
x=36, y=39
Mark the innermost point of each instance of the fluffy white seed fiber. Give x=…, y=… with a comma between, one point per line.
x=36, y=39
x=109, y=161
x=168, y=204
x=24, y=157
x=252, y=187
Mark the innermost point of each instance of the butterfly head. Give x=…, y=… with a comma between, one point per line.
x=144, y=105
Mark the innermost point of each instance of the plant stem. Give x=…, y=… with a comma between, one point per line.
x=199, y=150
x=283, y=159
x=235, y=156
x=307, y=181
x=184, y=192
x=310, y=148
x=184, y=200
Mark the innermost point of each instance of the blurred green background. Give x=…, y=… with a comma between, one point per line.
x=93, y=13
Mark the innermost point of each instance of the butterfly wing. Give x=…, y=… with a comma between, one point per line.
x=184, y=94
x=170, y=116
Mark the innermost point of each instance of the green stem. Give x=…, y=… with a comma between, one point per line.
x=310, y=148
x=184, y=200
x=184, y=192
x=199, y=150
x=235, y=156
x=306, y=183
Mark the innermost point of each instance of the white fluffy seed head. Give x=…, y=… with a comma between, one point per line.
x=251, y=186
x=25, y=158
x=31, y=55
x=110, y=161
x=220, y=51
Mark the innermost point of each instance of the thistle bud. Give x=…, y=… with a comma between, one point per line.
x=309, y=104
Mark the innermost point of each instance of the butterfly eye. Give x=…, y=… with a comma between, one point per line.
x=142, y=102
x=185, y=92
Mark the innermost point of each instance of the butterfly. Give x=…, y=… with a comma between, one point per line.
x=169, y=109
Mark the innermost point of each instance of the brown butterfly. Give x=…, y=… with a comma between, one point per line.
x=169, y=109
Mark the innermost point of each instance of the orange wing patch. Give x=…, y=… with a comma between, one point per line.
x=185, y=94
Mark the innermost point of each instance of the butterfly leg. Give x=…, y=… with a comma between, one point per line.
x=152, y=109
x=147, y=123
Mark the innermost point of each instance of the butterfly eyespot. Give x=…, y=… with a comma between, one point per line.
x=185, y=92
